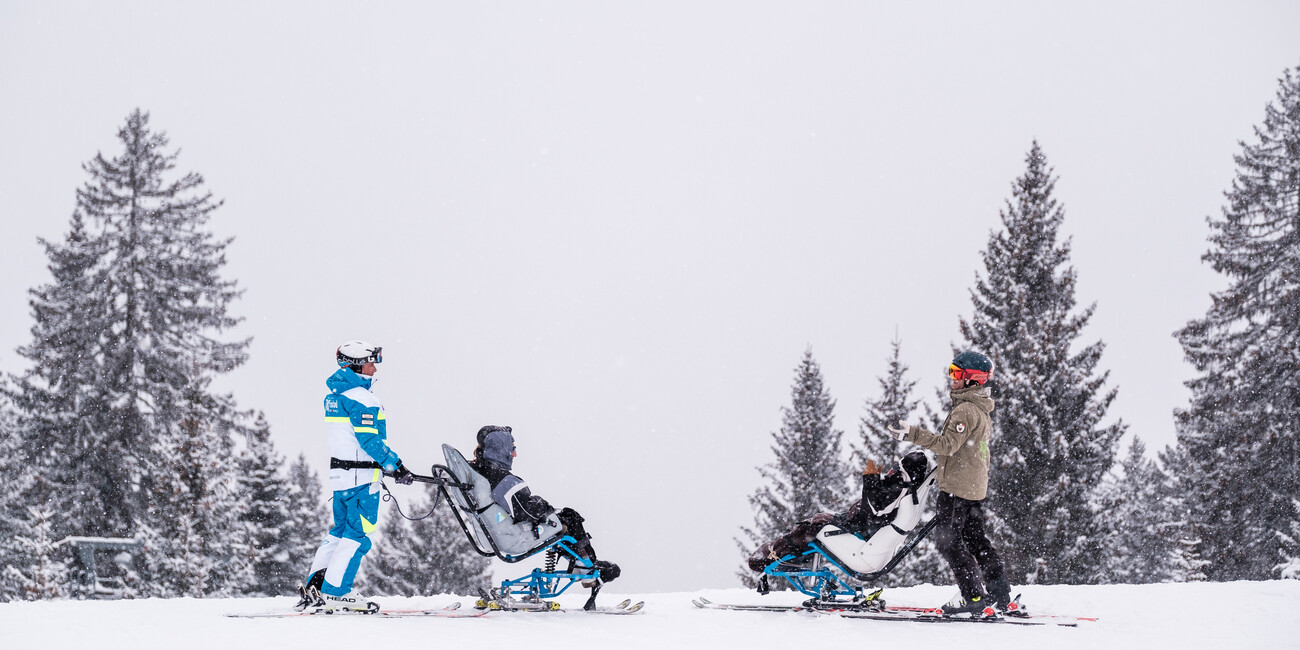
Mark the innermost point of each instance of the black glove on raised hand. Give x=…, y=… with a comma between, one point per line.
x=402, y=475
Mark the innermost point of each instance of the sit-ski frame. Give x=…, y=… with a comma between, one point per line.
x=538, y=585
x=549, y=583
x=825, y=585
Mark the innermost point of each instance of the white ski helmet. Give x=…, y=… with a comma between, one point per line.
x=357, y=353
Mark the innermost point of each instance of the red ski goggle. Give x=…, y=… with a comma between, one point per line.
x=961, y=374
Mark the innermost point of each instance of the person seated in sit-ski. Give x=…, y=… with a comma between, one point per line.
x=879, y=490
x=494, y=459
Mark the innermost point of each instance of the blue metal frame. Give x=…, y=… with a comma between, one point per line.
x=539, y=584
x=549, y=584
x=820, y=583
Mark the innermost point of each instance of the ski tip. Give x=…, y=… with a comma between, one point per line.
x=624, y=604
x=635, y=608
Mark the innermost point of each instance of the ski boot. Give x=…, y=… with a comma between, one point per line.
x=608, y=572
x=308, y=598
x=605, y=572
x=309, y=594
x=975, y=607
x=349, y=603
x=1011, y=607
x=1000, y=592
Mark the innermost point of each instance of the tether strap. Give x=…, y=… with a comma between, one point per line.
x=336, y=463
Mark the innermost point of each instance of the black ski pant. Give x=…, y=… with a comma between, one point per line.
x=960, y=538
x=572, y=522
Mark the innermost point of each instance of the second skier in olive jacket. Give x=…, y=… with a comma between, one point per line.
x=962, y=450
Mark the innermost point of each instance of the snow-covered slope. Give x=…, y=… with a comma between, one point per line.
x=1255, y=615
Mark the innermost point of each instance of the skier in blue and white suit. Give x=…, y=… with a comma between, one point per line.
x=359, y=456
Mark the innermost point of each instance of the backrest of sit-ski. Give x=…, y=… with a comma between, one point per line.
x=909, y=509
x=479, y=493
x=514, y=541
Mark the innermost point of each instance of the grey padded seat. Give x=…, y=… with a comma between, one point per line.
x=491, y=526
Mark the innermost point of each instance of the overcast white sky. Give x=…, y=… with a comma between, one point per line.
x=617, y=226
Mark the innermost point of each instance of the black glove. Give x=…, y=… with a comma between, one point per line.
x=402, y=475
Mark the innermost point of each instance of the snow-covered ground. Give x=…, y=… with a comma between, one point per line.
x=1254, y=615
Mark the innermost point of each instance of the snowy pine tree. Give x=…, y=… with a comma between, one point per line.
x=425, y=557
x=1186, y=563
x=15, y=483
x=136, y=293
x=309, y=517
x=895, y=404
x=36, y=570
x=1238, y=450
x=808, y=475
x=1289, y=567
x=1137, y=530
x=31, y=568
x=122, y=339
x=1049, y=451
x=194, y=541
x=64, y=430
x=264, y=486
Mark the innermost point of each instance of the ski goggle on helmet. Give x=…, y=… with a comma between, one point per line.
x=971, y=366
x=356, y=353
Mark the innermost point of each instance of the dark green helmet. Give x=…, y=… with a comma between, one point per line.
x=972, y=366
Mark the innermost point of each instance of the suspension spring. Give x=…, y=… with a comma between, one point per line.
x=552, y=557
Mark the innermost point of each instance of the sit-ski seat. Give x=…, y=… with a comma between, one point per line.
x=489, y=526
x=868, y=554
x=846, y=555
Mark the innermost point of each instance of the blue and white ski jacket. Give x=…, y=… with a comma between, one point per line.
x=357, y=431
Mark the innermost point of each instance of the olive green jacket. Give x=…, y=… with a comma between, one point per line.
x=963, y=447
